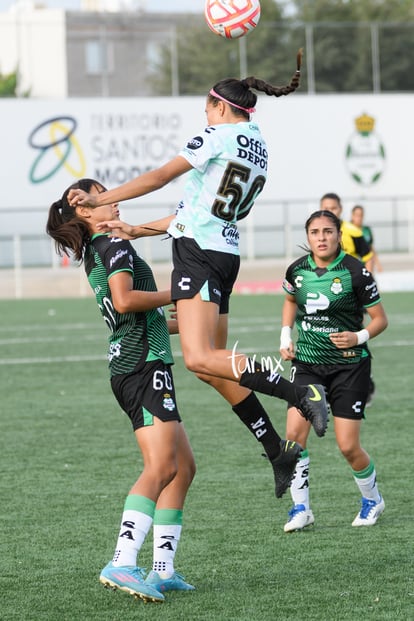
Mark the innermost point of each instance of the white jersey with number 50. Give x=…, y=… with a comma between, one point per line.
x=229, y=171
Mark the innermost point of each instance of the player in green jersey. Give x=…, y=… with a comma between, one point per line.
x=140, y=362
x=357, y=219
x=327, y=292
x=226, y=164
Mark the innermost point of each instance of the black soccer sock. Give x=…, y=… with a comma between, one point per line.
x=271, y=383
x=254, y=416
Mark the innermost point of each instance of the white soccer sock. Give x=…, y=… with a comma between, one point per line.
x=367, y=482
x=135, y=524
x=167, y=532
x=299, y=489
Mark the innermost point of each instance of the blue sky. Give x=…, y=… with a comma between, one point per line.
x=151, y=5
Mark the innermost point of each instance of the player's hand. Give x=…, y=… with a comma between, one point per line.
x=172, y=311
x=288, y=353
x=81, y=198
x=344, y=340
x=117, y=228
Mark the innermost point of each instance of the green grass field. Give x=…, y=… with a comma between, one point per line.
x=68, y=458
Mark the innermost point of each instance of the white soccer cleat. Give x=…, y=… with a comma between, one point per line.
x=299, y=518
x=370, y=512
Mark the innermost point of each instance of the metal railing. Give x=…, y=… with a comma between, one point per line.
x=273, y=229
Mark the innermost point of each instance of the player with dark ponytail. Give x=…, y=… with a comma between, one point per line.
x=242, y=100
x=140, y=361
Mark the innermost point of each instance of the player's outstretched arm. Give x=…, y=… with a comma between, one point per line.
x=144, y=184
x=118, y=228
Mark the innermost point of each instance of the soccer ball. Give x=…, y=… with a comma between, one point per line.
x=232, y=18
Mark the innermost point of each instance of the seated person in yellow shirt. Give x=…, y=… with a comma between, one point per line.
x=353, y=240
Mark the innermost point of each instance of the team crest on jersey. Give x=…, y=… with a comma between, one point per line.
x=195, y=143
x=168, y=402
x=336, y=286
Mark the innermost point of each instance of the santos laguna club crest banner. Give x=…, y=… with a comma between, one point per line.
x=365, y=152
x=350, y=144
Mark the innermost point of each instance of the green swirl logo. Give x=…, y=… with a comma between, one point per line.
x=55, y=140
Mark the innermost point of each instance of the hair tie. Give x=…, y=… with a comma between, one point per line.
x=217, y=96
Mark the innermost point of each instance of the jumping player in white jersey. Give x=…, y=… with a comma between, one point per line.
x=227, y=167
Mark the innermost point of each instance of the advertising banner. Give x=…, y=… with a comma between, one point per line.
x=355, y=145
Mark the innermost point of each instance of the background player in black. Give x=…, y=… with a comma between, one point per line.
x=326, y=294
x=140, y=366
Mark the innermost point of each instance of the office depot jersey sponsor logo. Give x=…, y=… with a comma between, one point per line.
x=252, y=150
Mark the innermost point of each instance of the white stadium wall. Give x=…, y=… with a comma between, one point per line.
x=34, y=42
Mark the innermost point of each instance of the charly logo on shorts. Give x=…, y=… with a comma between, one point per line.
x=57, y=147
x=195, y=143
x=168, y=403
x=184, y=283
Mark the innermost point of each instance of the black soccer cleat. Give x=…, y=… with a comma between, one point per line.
x=284, y=465
x=314, y=407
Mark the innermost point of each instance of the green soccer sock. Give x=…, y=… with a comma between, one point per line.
x=366, y=480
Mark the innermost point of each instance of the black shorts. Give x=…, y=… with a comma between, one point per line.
x=208, y=272
x=147, y=393
x=346, y=384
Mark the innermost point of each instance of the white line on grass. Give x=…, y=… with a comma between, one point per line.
x=176, y=354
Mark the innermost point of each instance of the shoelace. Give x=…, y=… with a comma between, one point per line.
x=139, y=572
x=367, y=505
x=296, y=509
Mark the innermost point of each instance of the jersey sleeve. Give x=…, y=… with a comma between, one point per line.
x=364, y=285
x=116, y=254
x=288, y=284
x=200, y=149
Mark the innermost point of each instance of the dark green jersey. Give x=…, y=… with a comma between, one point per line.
x=329, y=300
x=135, y=337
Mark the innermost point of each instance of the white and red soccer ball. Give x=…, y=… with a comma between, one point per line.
x=232, y=18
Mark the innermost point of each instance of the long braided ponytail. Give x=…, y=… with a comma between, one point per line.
x=276, y=91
